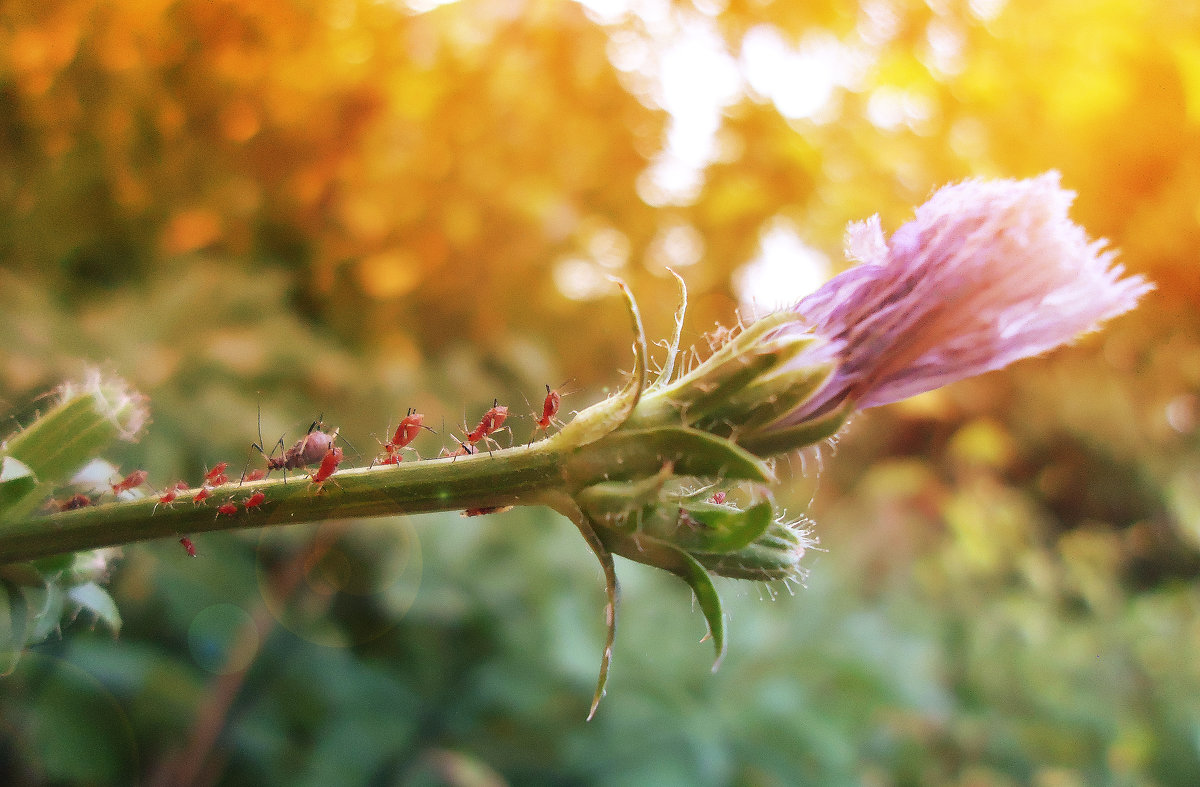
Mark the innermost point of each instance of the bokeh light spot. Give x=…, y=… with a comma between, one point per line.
x=389, y=274
x=223, y=639
x=785, y=270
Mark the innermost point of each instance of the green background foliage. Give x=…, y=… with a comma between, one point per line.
x=352, y=208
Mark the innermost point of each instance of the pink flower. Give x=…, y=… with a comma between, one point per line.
x=987, y=273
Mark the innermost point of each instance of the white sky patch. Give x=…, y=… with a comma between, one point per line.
x=785, y=270
x=607, y=12
x=987, y=10
x=800, y=80
x=695, y=79
x=690, y=73
x=425, y=6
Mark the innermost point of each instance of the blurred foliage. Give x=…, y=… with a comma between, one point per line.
x=357, y=207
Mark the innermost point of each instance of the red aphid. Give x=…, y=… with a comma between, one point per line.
x=167, y=497
x=491, y=422
x=329, y=464
x=255, y=500
x=74, y=502
x=181, y=486
x=201, y=495
x=256, y=474
x=549, y=407
x=131, y=481
x=189, y=546
x=549, y=411
x=486, y=510
x=718, y=498
x=218, y=472
x=410, y=426
x=227, y=509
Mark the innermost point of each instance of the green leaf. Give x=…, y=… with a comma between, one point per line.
x=14, y=619
x=87, y=419
x=50, y=601
x=55, y=563
x=17, y=482
x=96, y=600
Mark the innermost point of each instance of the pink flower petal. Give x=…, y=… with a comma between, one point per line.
x=987, y=273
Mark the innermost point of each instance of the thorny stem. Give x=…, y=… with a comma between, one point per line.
x=508, y=477
x=523, y=475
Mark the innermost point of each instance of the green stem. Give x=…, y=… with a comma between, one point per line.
x=509, y=477
x=524, y=475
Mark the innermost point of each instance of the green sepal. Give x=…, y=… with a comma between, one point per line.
x=693, y=573
x=603, y=418
x=770, y=397
x=668, y=367
x=775, y=554
x=721, y=529
x=641, y=452
x=735, y=351
x=773, y=439
x=613, y=503
x=568, y=508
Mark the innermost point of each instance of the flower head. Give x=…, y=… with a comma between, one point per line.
x=987, y=273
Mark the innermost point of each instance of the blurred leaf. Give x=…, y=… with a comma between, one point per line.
x=95, y=600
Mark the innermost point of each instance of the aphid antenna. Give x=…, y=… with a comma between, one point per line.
x=261, y=450
x=349, y=444
x=412, y=411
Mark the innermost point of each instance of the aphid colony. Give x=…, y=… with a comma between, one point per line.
x=317, y=447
